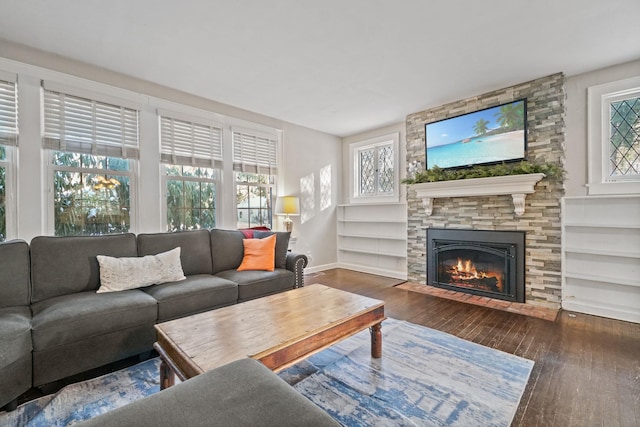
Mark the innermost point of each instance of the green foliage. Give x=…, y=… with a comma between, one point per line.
x=190, y=204
x=436, y=174
x=82, y=209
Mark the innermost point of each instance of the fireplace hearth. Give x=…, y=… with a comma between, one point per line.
x=480, y=262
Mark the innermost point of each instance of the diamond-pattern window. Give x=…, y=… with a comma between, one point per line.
x=385, y=169
x=624, y=147
x=376, y=170
x=367, y=172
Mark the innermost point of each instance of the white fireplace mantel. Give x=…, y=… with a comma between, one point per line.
x=518, y=186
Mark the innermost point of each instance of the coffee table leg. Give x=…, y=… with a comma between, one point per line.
x=167, y=376
x=376, y=341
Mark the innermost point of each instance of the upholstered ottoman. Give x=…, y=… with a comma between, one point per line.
x=242, y=393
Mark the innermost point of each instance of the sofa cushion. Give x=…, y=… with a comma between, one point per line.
x=195, y=248
x=254, y=284
x=15, y=334
x=68, y=318
x=242, y=393
x=197, y=293
x=259, y=254
x=282, y=245
x=14, y=273
x=226, y=249
x=68, y=265
x=120, y=274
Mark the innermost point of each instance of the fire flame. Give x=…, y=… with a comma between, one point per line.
x=465, y=270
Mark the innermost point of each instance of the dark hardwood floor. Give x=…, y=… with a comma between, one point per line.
x=587, y=368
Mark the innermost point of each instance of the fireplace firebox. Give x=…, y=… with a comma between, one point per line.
x=480, y=262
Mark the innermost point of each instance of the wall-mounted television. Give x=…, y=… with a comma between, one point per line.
x=493, y=135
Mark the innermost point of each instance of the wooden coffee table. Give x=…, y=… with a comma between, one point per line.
x=278, y=330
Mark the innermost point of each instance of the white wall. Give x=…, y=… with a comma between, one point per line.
x=305, y=152
x=576, y=120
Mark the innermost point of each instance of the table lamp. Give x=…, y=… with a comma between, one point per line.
x=288, y=205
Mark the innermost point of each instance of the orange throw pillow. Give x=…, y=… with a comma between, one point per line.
x=259, y=254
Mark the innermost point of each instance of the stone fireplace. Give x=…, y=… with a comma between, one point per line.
x=536, y=216
x=480, y=262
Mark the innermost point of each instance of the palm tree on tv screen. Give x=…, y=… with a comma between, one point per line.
x=480, y=127
x=511, y=116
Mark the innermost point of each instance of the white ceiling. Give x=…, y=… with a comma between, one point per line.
x=339, y=66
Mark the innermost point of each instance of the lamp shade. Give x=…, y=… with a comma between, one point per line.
x=288, y=205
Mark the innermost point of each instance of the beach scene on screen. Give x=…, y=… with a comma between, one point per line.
x=493, y=135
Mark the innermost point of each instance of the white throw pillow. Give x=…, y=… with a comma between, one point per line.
x=119, y=274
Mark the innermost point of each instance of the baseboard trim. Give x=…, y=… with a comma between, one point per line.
x=599, y=310
x=372, y=270
x=317, y=268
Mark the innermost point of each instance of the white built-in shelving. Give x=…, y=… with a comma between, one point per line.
x=372, y=238
x=601, y=256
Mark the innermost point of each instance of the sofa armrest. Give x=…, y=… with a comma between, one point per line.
x=297, y=263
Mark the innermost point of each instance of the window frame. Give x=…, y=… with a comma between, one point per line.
x=271, y=185
x=164, y=182
x=599, y=132
x=10, y=210
x=376, y=143
x=9, y=134
x=131, y=174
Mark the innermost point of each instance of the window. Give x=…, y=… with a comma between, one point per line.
x=374, y=172
x=614, y=138
x=191, y=150
x=3, y=193
x=91, y=194
x=92, y=146
x=254, y=199
x=8, y=139
x=255, y=161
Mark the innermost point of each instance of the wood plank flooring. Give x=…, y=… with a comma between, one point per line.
x=587, y=368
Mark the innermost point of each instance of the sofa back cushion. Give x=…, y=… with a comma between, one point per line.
x=67, y=265
x=14, y=273
x=227, y=249
x=195, y=249
x=282, y=245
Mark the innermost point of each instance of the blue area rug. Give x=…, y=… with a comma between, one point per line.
x=425, y=378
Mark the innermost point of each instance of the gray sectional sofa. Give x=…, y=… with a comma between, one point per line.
x=53, y=323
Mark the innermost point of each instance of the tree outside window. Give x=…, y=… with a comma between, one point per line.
x=254, y=199
x=191, y=195
x=91, y=194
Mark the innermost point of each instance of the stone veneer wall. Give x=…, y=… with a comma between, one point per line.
x=541, y=219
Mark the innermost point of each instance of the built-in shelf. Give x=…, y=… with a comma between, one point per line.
x=373, y=252
x=601, y=256
x=604, y=279
x=518, y=186
x=601, y=225
x=600, y=252
x=365, y=236
x=372, y=238
x=374, y=221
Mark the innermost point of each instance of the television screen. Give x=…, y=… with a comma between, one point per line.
x=489, y=136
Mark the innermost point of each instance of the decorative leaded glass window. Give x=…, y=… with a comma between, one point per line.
x=624, y=139
x=375, y=177
x=614, y=138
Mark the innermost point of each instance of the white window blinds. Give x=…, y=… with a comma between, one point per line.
x=254, y=153
x=187, y=143
x=82, y=125
x=8, y=109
